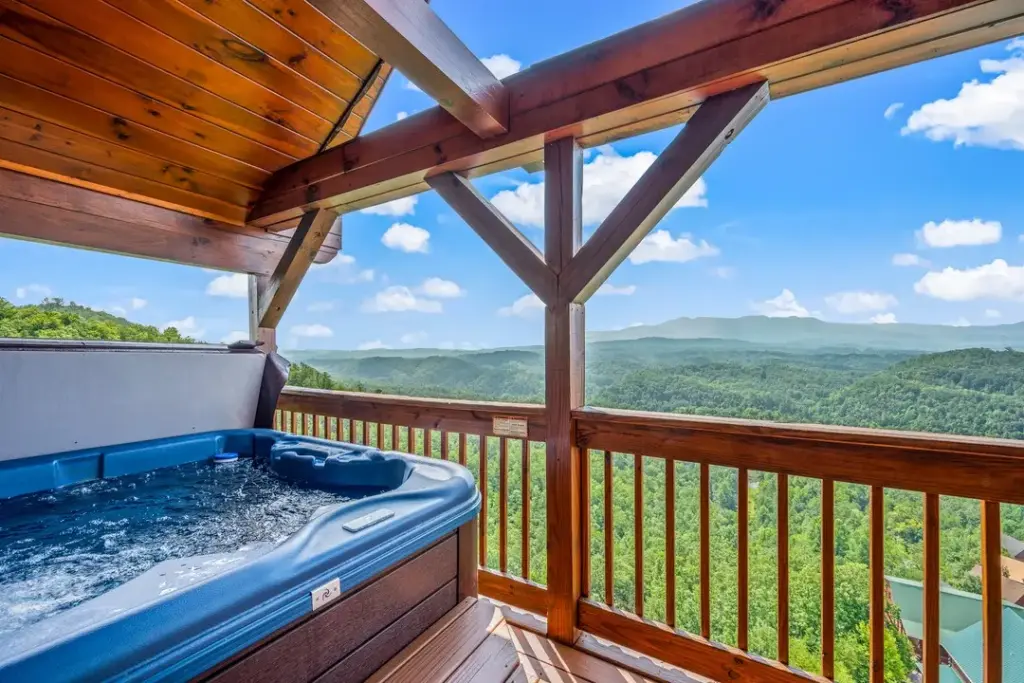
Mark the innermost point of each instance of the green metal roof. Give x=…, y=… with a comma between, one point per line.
x=965, y=648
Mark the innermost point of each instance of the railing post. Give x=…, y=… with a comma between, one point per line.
x=564, y=387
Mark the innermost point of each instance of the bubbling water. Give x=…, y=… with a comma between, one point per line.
x=60, y=548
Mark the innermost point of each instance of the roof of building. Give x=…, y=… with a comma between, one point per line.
x=1013, y=546
x=1012, y=569
x=965, y=647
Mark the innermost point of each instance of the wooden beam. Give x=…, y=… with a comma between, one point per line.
x=45, y=210
x=414, y=40
x=648, y=77
x=501, y=236
x=717, y=123
x=297, y=258
x=265, y=336
x=563, y=387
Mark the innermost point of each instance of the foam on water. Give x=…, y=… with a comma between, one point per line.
x=61, y=548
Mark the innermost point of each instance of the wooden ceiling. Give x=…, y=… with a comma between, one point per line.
x=187, y=104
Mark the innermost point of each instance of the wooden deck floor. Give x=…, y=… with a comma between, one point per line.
x=483, y=642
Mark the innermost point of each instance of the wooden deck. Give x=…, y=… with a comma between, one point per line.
x=485, y=642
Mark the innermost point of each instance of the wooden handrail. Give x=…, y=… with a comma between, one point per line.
x=473, y=417
x=969, y=467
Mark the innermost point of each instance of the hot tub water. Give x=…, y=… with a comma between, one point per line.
x=61, y=548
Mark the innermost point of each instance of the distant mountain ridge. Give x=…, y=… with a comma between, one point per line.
x=810, y=333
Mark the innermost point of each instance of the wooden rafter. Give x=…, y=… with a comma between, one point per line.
x=717, y=123
x=501, y=236
x=274, y=298
x=413, y=39
x=46, y=210
x=645, y=78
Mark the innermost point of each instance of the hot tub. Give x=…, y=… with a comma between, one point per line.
x=389, y=548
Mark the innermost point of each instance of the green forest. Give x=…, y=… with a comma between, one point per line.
x=976, y=391
x=970, y=391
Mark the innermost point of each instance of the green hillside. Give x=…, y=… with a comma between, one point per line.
x=57, y=319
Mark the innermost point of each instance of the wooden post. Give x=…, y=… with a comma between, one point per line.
x=564, y=388
x=267, y=335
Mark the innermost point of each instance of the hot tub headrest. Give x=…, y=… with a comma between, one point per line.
x=334, y=466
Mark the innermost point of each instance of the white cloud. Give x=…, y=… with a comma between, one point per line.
x=401, y=116
x=320, y=307
x=909, y=260
x=996, y=280
x=987, y=114
x=342, y=269
x=502, y=66
x=371, y=345
x=137, y=303
x=440, y=289
x=40, y=291
x=724, y=272
x=413, y=338
x=784, y=305
x=661, y=246
x=523, y=307
x=403, y=206
x=234, y=286
x=234, y=336
x=950, y=233
x=407, y=238
x=409, y=85
x=397, y=299
x=313, y=330
x=891, y=110
x=993, y=313
x=960, y=322
x=606, y=179
x=608, y=289
x=117, y=310
x=186, y=326
x=884, y=319
x=860, y=302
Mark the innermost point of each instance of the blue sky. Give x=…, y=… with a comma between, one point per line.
x=898, y=196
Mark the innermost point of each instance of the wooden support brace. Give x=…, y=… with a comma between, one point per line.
x=508, y=243
x=274, y=297
x=717, y=123
x=408, y=35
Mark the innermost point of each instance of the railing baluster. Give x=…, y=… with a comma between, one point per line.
x=350, y=431
x=483, y=500
x=428, y=442
x=782, y=514
x=828, y=580
x=876, y=565
x=609, y=535
x=991, y=593
x=670, y=542
x=394, y=437
x=705, y=550
x=446, y=447
x=503, y=504
x=316, y=426
x=380, y=435
x=462, y=449
x=585, y=522
x=742, y=550
x=931, y=647
x=526, y=508
x=638, y=533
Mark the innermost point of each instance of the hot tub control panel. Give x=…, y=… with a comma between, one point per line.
x=368, y=520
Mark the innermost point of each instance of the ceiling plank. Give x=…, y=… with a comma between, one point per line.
x=302, y=249
x=412, y=38
x=717, y=123
x=653, y=75
x=518, y=253
x=48, y=211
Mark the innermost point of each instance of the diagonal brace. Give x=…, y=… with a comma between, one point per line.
x=275, y=296
x=715, y=124
x=501, y=236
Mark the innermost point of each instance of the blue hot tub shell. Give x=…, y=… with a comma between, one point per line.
x=158, y=629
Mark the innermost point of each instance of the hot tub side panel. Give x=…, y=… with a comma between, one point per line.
x=367, y=625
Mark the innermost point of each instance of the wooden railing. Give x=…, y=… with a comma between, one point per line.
x=665, y=455
x=464, y=432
